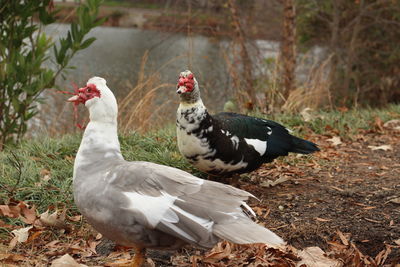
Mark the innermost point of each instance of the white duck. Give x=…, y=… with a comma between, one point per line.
x=147, y=205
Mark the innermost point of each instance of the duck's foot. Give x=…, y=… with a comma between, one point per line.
x=138, y=259
x=105, y=247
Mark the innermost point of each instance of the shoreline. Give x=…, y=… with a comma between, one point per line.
x=210, y=24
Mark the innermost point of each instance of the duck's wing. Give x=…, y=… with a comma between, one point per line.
x=268, y=134
x=195, y=210
x=246, y=126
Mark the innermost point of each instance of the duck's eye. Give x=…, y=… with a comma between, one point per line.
x=88, y=90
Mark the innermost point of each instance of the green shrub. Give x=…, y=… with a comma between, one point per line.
x=24, y=48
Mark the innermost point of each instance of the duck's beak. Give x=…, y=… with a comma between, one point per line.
x=74, y=98
x=181, y=90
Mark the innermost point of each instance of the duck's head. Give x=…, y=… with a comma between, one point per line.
x=187, y=87
x=99, y=100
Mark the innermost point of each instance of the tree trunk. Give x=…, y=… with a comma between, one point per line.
x=288, y=46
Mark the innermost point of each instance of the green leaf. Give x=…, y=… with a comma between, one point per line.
x=87, y=42
x=74, y=31
x=24, y=53
x=30, y=115
x=15, y=104
x=42, y=41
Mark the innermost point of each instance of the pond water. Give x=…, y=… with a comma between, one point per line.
x=117, y=54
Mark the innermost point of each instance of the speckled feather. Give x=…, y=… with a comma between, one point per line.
x=229, y=143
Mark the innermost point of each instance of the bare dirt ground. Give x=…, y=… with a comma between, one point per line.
x=343, y=201
x=354, y=189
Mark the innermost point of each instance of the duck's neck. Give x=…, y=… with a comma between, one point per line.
x=191, y=98
x=190, y=115
x=99, y=147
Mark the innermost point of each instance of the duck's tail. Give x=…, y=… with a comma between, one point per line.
x=245, y=231
x=303, y=146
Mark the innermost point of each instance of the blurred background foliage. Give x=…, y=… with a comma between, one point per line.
x=26, y=67
x=362, y=36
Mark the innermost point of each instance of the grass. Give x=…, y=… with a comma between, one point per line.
x=54, y=157
x=346, y=123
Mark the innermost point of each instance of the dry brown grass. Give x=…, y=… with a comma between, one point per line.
x=148, y=104
x=55, y=116
x=142, y=109
x=138, y=110
x=314, y=92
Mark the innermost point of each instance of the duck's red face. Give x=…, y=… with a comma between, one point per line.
x=185, y=84
x=84, y=94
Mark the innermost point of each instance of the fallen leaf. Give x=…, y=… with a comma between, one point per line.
x=54, y=220
x=11, y=257
x=395, y=200
x=222, y=250
x=70, y=158
x=270, y=183
x=10, y=211
x=335, y=140
x=52, y=243
x=118, y=262
x=382, y=256
x=382, y=147
x=34, y=236
x=150, y=263
x=258, y=210
x=337, y=245
x=4, y=225
x=20, y=236
x=92, y=246
x=119, y=255
x=379, y=124
x=66, y=261
x=315, y=257
x=76, y=218
x=28, y=215
x=392, y=124
x=45, y=175
x=397, y=241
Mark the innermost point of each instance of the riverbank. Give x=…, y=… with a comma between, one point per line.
x=211, y=22
x=343, y=200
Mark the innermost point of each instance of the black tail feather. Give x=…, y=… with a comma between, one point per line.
x=303, y=146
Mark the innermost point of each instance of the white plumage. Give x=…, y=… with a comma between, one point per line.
x=147, y=205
